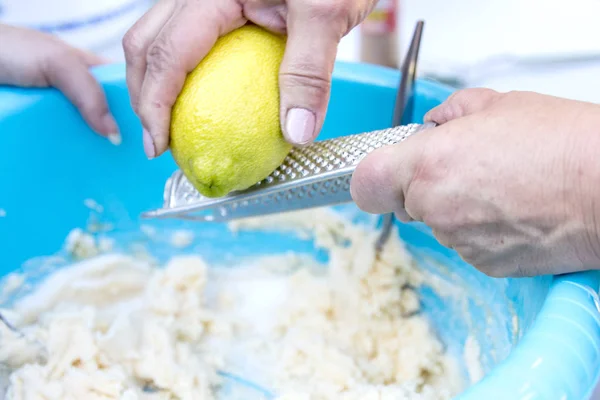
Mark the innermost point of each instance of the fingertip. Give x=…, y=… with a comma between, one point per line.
x=443, y=113
x=303, y=108
x=161, y=144
x=156, y=130
x=428, y=117
x=106, y=126
x=156, y=101
x=148, y=142
x=110, y=129
x=299, y=126
x=115, y=138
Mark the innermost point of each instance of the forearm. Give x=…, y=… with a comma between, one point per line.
x=584, y=159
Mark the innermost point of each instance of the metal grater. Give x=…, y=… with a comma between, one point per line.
x=317, y=175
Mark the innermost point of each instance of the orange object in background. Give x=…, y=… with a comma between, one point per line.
x=378, y=41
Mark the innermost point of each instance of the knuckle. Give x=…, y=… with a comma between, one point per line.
x=458, y=98
x=306, y=75
x=328, y=9
x=483, y=95
x=160, y=57
x=57, y=62
x=460, y=101
x=463, y=97
x=133, y=44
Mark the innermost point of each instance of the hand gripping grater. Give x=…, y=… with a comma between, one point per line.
x=313, y=176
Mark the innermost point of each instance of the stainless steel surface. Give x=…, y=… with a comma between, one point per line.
x=404, y=106
x=8, y=324
x=403, y=110
x=386, y=230
x=313, y=176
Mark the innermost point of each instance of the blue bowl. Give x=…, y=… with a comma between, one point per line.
x=539, y=337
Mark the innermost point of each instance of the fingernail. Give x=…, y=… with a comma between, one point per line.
x=300, y=125
x=115, y=138
x=110, y=129
x=148, y=145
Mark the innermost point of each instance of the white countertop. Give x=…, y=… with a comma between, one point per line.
x=459, y=33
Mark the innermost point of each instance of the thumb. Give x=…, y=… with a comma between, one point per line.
x=462, y=103
x=382, y=180
x=305, y=73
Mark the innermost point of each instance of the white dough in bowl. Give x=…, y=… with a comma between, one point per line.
x=114, y=326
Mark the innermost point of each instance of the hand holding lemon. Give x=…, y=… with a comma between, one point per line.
x=171, y=39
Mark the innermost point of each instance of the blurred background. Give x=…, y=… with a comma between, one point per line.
x=549, y=46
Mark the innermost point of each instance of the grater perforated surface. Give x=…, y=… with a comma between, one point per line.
x=313, y=176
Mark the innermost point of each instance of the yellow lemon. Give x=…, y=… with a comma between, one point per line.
x=225, y=130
